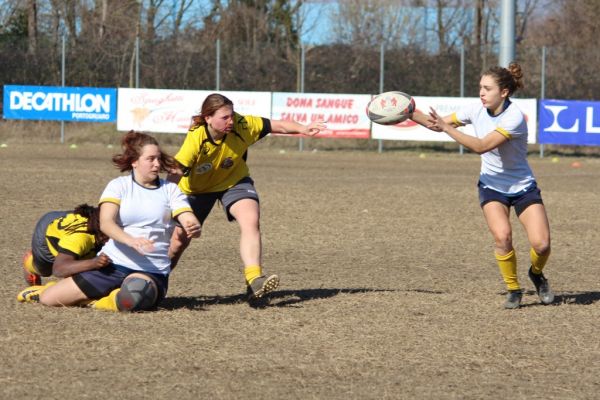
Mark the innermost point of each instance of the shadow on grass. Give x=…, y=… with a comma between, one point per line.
x=585, y=298
x=280, y=298
x=581, y=298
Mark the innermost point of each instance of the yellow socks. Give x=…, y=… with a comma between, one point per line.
x=537, y=261
x=508, y=269
x=251, y=272
x=107, y=303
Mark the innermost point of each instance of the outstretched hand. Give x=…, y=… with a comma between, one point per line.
x=436, y=122
x=314, y=127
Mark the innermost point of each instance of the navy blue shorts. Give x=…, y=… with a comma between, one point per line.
x=98, y=283
x=203, y=203
x=520, y=202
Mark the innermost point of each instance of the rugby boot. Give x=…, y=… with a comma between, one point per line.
x=513, y=299
x=542, y=287
x=261, y=286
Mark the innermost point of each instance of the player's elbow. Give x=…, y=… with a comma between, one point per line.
x=60, y=271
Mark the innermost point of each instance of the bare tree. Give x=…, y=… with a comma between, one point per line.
x=32, y=26
x=376, y=22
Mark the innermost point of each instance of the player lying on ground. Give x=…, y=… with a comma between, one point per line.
x=505, y=180
x=138, y=213
x=64, y=243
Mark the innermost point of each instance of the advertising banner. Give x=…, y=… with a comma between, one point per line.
x=60, y=103
x=409, y=130
x=344, y=114
x=171, y=111
x=570, y=122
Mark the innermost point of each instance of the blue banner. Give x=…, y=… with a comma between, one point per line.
x=60, y=103
x=569, y=122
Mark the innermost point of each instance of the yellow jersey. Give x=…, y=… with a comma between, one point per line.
x=215, y=166
x=69, y=235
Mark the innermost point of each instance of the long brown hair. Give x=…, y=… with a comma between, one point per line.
x=210, y=105
x=510, y=78
x=132, y=144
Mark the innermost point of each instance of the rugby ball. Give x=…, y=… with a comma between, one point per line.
x=390, y=108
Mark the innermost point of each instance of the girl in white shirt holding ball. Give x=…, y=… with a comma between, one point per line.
x=505, y=179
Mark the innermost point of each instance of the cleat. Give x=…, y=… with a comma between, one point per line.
x=261, y=286
x=513, y=299
x=31, y=278
x=32, y=293
x=542, y=287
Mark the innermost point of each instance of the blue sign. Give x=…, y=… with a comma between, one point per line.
x=569, y=122
x=60, y=103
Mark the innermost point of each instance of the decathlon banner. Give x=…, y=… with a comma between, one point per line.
x=344, y=114
x=409, y=130
x=171, y=111
x=570, y=122
x=60, y=103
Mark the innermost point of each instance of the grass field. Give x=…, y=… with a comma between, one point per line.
x=389, y=289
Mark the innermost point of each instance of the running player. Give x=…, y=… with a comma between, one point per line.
x=213, y=167
x=64, y=243
x=505, y=180
x=138, y=213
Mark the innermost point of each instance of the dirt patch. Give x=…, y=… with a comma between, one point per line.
x=389, y=288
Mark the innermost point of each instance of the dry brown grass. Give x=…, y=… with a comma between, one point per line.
x=389, y=288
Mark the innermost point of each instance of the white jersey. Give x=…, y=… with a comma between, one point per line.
x=504, y=169
x=144, y=212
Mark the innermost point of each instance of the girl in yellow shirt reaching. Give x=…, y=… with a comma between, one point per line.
x=213, y=167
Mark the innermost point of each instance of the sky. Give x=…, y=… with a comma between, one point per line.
x=317, y=21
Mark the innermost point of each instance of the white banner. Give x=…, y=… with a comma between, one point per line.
x=171, y=111
x=409, y=130
x=344, y=114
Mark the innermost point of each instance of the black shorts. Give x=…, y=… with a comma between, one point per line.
x=98, y=283
x=43, y=260
x=203, y=203
x=520, y=201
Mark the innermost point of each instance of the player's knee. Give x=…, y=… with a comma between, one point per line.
x=137, y=294
x=503, y=238
x=541, y=247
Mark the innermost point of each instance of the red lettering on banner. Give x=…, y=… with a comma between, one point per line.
x=145, y=99
x=298, y=102
x=298, y=117
x=335, y=103
x=342, y=119
x=316, y=117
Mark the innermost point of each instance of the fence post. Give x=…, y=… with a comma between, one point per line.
x=302, y=60
x=218, y=66
x=543, y=90
x=62, y=83
x=461, y=148
x=137, y=61
x=381, y=81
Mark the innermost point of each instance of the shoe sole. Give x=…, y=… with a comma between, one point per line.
x=270, y=284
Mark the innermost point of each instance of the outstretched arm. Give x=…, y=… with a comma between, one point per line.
x=478, y=145
x=281, y=126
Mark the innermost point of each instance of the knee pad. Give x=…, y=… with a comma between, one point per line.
x=137, y=294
